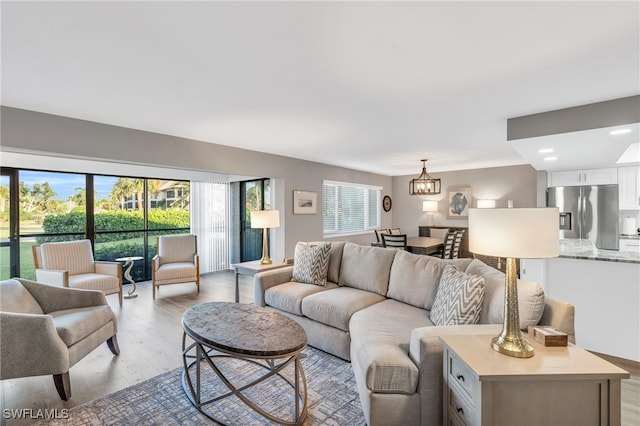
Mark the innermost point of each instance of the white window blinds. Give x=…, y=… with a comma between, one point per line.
x=349, y=208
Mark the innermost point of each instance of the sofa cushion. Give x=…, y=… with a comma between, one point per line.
x=289, y=295
x=73, y=256
x=366, y=268
x=459, y=298
x=414, y=279
x=530, y=297
x=74, y=325
x=311, y=262
x=335, y=307
x=380, y=338
x=14, y=297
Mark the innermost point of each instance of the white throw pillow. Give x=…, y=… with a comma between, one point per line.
x=311, y=263
x=459, y=298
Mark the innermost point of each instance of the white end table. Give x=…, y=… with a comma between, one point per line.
x=128, y=264
x=252, y=268
x=557, y=386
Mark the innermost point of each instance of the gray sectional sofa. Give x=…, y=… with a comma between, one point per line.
x=374, y=311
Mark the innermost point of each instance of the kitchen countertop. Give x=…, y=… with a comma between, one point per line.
x=584, y=249
x=629, y=237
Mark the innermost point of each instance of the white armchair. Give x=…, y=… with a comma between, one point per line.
x=177, y=261
x=71, y=264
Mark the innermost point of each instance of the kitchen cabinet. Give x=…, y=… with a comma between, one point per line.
x=631, y=245
x=629, y=188
x=584, y=177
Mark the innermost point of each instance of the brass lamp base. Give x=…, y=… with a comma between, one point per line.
x=265, y=248
x=510, y=341
x=518, y=348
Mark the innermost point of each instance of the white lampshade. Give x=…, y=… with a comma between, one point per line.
x=486, y=204
x=429, y=206
x=265, y=219
x=522, y=233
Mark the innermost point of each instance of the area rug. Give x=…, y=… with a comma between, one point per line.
x=332, y=398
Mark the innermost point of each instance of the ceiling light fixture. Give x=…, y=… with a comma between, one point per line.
x=545, y=150
x=424, y=184
x=619, y=132
x=550, y=158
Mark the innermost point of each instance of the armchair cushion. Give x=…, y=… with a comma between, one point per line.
x=73, y=256
x=175, y=271
x=177, y=248
x=92, y=281
x=16, y=298
x=74, y=325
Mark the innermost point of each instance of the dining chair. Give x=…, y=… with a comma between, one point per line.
x=396, y=241
x=379, y=233
x=455, y=253
x=447, y=246
x=395, y=231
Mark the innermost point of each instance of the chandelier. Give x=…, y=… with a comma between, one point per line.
x=424, y=184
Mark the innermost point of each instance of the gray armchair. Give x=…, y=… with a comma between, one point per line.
x=46, y=329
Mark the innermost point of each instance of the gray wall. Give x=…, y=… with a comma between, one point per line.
x=32, y=132
x=37, y=133
x=517, y=183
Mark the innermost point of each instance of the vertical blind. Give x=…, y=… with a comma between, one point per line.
x=349, y=208
x=210, y=222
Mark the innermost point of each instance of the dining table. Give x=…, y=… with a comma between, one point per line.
x=424, y=245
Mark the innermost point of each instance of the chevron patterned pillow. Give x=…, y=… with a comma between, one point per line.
x=311, y=263
x=459, y=298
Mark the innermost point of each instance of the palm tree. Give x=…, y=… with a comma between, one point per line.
x=122, y=189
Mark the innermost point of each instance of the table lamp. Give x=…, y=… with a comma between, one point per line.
x=265, y=219
x=522, y=233
x=430, y=207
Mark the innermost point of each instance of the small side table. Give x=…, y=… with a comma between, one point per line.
x=558, y=385
x=252, y=268
x=128, y=265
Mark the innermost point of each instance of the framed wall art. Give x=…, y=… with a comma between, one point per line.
x=305, y=202
x=459, y=200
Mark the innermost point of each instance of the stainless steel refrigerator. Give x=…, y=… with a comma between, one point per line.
x=588, y=213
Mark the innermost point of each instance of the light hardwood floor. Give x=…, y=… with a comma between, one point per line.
x=150, y=338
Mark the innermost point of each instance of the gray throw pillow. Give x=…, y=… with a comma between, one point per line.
x=311, y=262
x=459, y=298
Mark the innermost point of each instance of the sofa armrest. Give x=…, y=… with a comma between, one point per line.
x=53, y=277
x=559, y=315
x=425, y=350
x=264, y=280
x=20, y=334
x=108, y=268
x=155, y=263
x=53, y=299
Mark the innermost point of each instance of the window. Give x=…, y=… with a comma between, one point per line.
x=349, y=208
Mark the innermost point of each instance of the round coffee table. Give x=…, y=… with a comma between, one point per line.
x=249, y=333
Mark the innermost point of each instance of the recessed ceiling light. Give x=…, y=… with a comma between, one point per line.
x=550, y=158
x=619, y=132
x=545, y=150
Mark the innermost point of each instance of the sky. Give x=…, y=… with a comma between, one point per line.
x=65, y=184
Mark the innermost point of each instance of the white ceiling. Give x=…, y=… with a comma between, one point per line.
x=372, y=86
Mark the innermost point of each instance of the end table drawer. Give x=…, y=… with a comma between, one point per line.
x=460, y=408
x=462, y=375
